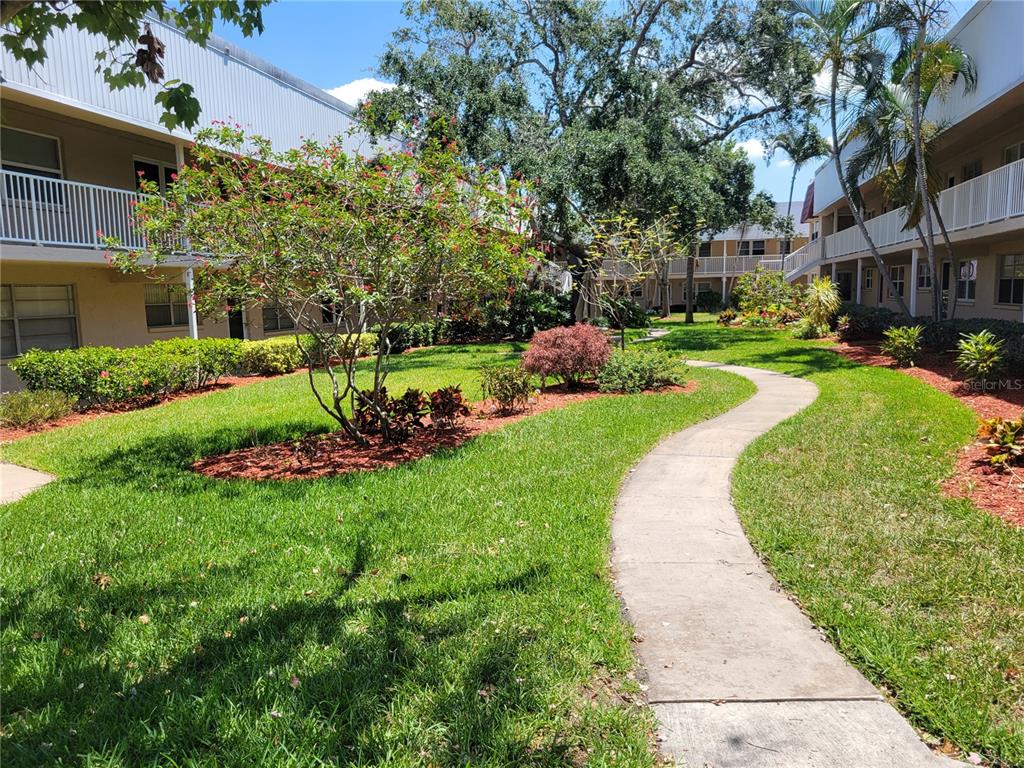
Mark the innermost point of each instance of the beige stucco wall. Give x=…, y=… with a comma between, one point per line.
x=90, y=153
x=984, y=304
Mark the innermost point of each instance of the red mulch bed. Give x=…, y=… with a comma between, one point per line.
x=998, y=492
x=332, y=454
x=7, y=434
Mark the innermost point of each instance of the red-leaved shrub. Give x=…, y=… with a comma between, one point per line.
x=570, y=354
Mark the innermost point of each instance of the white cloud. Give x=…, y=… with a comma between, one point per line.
x=753, y=147
x=784, y=162
x=354, y=92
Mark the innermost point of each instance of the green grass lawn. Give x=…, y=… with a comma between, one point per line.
x=455, y=611
x=925, y=594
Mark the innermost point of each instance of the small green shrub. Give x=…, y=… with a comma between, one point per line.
x=624, y=312
x=447, y=406
x=758, y=290
x=402, y=414
x=804, y=328
x=822, y=301
x=1004, y=440
x=903, y=344
x=727, y=316
x=636, y=370
x=509, y=386
x=707, y=301
x=859, y=323
x=270, y=357
x=30, y=408
x=979, y=355
x=944, y=336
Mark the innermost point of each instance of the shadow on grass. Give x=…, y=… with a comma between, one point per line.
x=216, y=696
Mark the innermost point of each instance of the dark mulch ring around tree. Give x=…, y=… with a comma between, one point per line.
x=326, y=455
x=1000, y=492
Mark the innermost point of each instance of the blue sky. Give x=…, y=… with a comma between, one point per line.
x=334, y=43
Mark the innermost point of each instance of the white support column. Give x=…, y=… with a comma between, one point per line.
x=835, y=270
x=190, y=289
x=912, y=279
x=860, y=272
x=723, y=285
x=190, y=298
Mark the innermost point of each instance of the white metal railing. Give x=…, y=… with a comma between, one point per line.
x=44, y=211
x=726, y=265
x=802, y=258
x=989, y=198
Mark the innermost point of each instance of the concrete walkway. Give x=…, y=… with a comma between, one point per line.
x=16, y=481
x=737, y=675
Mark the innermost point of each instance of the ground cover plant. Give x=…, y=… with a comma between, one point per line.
x=921, y=591
x=30, y=408
x=454, y=611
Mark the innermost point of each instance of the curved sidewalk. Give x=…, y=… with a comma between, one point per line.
x=737, y=675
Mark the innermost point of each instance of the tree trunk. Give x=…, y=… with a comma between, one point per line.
x=666, y=290
x=691, y=263
x=857, y=215
x=792, y=184
x=922, y=178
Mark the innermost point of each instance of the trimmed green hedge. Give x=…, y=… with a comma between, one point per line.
x=280, y=354
x=944, y=336
x=99, y=375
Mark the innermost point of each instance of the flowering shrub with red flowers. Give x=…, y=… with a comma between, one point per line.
x=336, y=242
x=571, y=354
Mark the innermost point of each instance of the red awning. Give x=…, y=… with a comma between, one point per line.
x=807, y=213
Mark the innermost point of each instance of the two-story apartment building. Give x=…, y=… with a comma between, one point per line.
x=981, y=154
x=73, y=151
x=729, y=254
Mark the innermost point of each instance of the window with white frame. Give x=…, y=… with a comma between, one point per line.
x=703, y=287
x=1011, y=279
x=751, y=248
x=1013, y=153
x=898, y=277
x=971, y=170
x=924, y=276
x=37, y=317
x=869, y=277
x=28, y=152
x=276, y=319
x=705, y=250
x=166, y=306
x=967, y=284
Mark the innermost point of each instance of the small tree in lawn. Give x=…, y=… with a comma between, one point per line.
x=337, y=243
x=629, y=253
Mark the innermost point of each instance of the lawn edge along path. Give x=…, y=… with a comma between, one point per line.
x=737, y=675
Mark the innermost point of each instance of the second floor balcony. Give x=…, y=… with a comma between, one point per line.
x=976, y=207
x=37, y=210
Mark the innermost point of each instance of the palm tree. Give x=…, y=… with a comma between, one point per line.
x=800, y=147
x=844, y=35
x=900, y=150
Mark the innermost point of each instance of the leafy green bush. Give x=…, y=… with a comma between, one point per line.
x=624, y=312
x=524, y=312
x=29, y=408
x=99, y=375
x=402, y=336
x=270, y=357
x=804, y=328
x=979, y=355
x=858, y=323
x=509, y=386
x=401, y=415
x=707, y=301
x=903, y=344
x=758, y=290
x=727, y=316
x=637, y=370
x=1004, y=440
x=822, y=301
x=447, y=406
x=945, y=336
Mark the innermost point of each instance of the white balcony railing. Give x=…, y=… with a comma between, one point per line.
x=727, y=265
x=43, y=211
x=986, y=199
